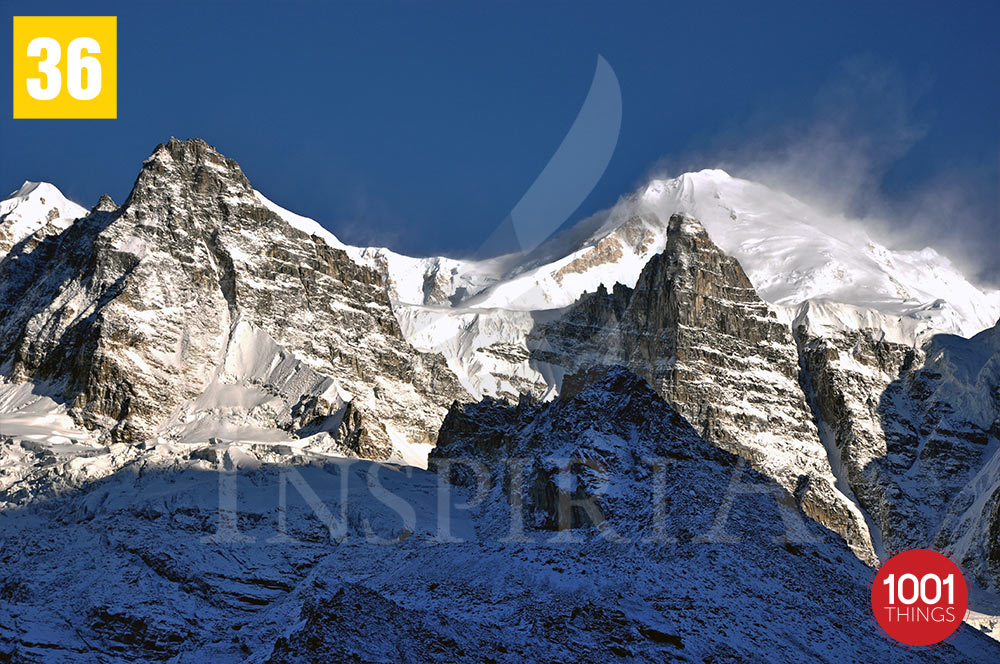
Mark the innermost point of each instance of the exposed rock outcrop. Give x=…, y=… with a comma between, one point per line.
x=133, y=308
x=694, y=328
x=916, y=430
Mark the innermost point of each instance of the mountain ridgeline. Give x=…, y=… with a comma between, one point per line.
x=133, y=309
x=199, y=325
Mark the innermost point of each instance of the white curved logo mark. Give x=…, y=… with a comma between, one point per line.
x=572, y=172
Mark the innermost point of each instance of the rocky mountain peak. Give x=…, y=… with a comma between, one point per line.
x=692, y=314
x=136, y=309
x=104, y=204
x=178, y=155
x=191, y=169
x=691, y=258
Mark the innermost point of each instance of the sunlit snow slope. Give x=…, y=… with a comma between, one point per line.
x=32, y=207
x=791, y=252
x=817, y=269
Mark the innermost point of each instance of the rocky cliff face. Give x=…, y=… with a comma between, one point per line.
x=135, y=311
x=694, y=328
x=887, y=444
x=916, y=431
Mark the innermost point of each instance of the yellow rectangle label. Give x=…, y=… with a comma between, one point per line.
x=65, y=67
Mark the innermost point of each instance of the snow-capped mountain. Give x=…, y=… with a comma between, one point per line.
x=199, y=325
x=791, y=252
x=834, y=291
x=815, y=269
x=194, y=312
x=33, y=207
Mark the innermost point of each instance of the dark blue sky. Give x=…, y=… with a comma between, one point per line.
x=420, y=128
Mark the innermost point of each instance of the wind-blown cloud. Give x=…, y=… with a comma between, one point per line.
x=837, y=156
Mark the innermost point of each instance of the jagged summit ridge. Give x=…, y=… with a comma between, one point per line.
x=795, y=255
x=133, y=309
x=695, y=329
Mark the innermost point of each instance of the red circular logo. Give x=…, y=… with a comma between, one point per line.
x=919, y=597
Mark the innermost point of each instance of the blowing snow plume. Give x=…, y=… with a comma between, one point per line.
x=842, y=154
